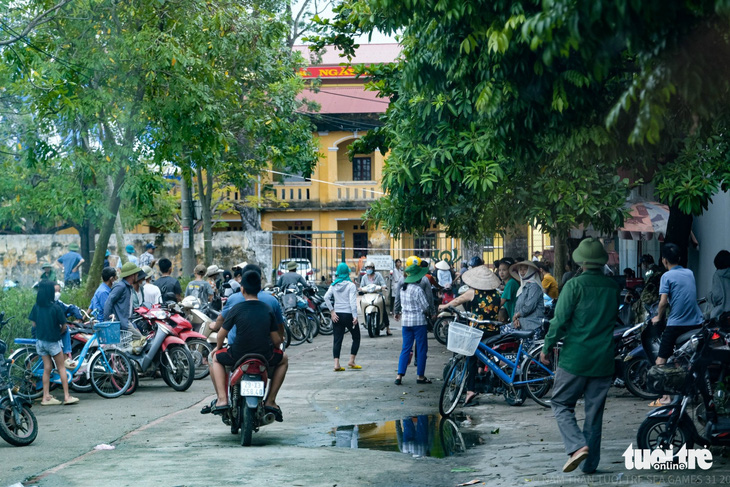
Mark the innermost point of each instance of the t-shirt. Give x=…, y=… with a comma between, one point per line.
x=69, y=260
x=550, y=285
x=510, y=296
x=255, y=322
x=168, y=284
x=679, y=284
x=264, y=297
x=48, y=321
x=200, y=289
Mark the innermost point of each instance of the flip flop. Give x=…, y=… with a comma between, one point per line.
x=207, y=409
x=339, y=369
x=656, y=404
x=71, y=400
x=355, y=367
x=389, y=334
x=471, y=401
x=51, y=402
x=218, y=410
x=276, y=411
x=398, y=382
x=424, y=381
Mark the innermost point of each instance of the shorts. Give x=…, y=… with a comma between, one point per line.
x=225, y=358
x=48, y=348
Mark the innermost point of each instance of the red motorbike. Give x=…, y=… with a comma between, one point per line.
x=197, y=343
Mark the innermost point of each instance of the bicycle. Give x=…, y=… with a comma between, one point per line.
x=108, y=370
x=531, y=378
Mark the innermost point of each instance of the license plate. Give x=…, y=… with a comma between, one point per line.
x=252, y=388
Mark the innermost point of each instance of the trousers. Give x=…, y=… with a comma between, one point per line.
x=345, y=321
x=568, y=389
x=420, y=335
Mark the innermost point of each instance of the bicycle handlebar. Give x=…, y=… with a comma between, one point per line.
x=469, y=317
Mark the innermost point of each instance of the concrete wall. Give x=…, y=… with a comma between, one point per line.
x=712, y=230
x=22, y=255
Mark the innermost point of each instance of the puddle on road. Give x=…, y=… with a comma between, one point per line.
x=419, y=436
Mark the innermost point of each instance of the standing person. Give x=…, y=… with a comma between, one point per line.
x=291, y=277
x=48, y=320
x=424, y=284
x=233, y=285
x=536, y=256
x=444, y=274
x=530, y=307
x=148, y=257
x=509, y=293
x=415, y=305
x=96, y=308
x=483, y=301
x=130, y=255
x=678, y=291
x=150, y=293
x=372, y=277
x=395, y=282
x=199, y=287
x=344, y=315
x=584, y=319
x=48, y=273
x=567, y=275
x=548, y=281
x=720, y=293
x=119, y=302
x=166, y=282
x=71, y=262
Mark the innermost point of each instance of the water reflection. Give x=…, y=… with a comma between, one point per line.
x=419, y=436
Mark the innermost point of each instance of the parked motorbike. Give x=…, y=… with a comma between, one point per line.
x=18, y=425
x=323, y=314
x=443, y=319
x=200, y=321
x=247, y=384
x=298, y=328
x=163, y=351
x=697, y=377
x=373, y=307
x=196, y=342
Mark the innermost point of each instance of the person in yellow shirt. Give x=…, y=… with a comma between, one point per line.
x=548, y=281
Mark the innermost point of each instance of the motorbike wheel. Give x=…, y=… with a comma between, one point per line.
x=325, y=323
x=453, y=386
x=635, y=378
x=25, y=362
x=370, y=325
x=18, y=433
x=184, y=374
x=515, y=396
x=110, y=378
x=246, y=425
x=532, y=371
x=310, y=327
x=133, y=384
x=441, y=329
x=314, y=321
x=200, y=350
x=80, y=381
x=653, y=434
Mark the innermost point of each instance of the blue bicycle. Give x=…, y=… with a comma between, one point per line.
x=108, y=370
x=530, y=377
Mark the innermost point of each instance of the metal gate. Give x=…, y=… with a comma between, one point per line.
x=324, y=249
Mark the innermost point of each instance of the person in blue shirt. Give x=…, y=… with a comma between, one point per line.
x=96, y=308
x=130, y=255
x=71, y=262
x=236, y=298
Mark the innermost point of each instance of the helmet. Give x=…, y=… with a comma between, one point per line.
x=413, y=260
x=475, y=262
x=369, y=264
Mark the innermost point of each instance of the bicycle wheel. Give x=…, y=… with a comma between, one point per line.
x=27, y=372
x=309, y=327
x=297, y=328
x=110, y=372
x=453, y=386
x=532, y=370
x=80, y=381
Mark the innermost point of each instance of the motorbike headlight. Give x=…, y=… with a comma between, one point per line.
x=159, y=314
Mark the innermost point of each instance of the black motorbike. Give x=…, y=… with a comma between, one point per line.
x=697, y=377
x=18, y=425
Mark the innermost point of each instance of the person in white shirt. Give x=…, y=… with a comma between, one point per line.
x=344, y=315
x=150, y=293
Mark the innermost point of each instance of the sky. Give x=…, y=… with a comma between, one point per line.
x=377, y=37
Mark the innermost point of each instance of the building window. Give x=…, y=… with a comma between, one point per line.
x=425, y=244
x=360, y=244
x=361, y=169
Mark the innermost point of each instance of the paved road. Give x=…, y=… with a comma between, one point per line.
x=161, y=439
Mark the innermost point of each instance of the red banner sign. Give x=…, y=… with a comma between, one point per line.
x=327, y=72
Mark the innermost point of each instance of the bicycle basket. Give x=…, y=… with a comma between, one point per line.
x=108, y=332
x=289, y=300
x=666, y=379
x=463, y=339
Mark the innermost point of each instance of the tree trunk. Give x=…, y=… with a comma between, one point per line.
x=186, y=215
x=560, y=243
x=118, y=229
x=105, y=234
x=205, y=192
x=515, y=242
x=679, y=227
x=86, y=235
x=249, y=214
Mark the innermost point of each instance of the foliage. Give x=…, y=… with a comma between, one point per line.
x=508, y=112
x=16, y=303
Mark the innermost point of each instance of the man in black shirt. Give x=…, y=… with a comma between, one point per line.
x=167, y=283
x=257, y=332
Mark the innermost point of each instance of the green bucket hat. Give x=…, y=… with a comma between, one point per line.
x=74, y=247
x=129, y=269
x=590, y=254
x=415, y=273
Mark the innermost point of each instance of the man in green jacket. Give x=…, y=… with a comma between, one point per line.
x=585, y=318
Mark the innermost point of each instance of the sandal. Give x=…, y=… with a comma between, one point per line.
x=219, y=410
x=355, y=367
x=51, y=402
x=71, y=400
x=339, y=369
x=471, y=400
x=656, y=404
x=207, y=409
x=276, y=411
x=425, y=380
x=398, y=382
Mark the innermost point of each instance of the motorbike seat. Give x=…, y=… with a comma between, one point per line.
x=520, y=334
x=684, y=337
x=252, y=358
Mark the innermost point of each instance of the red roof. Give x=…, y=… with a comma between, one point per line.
x=346, y=99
